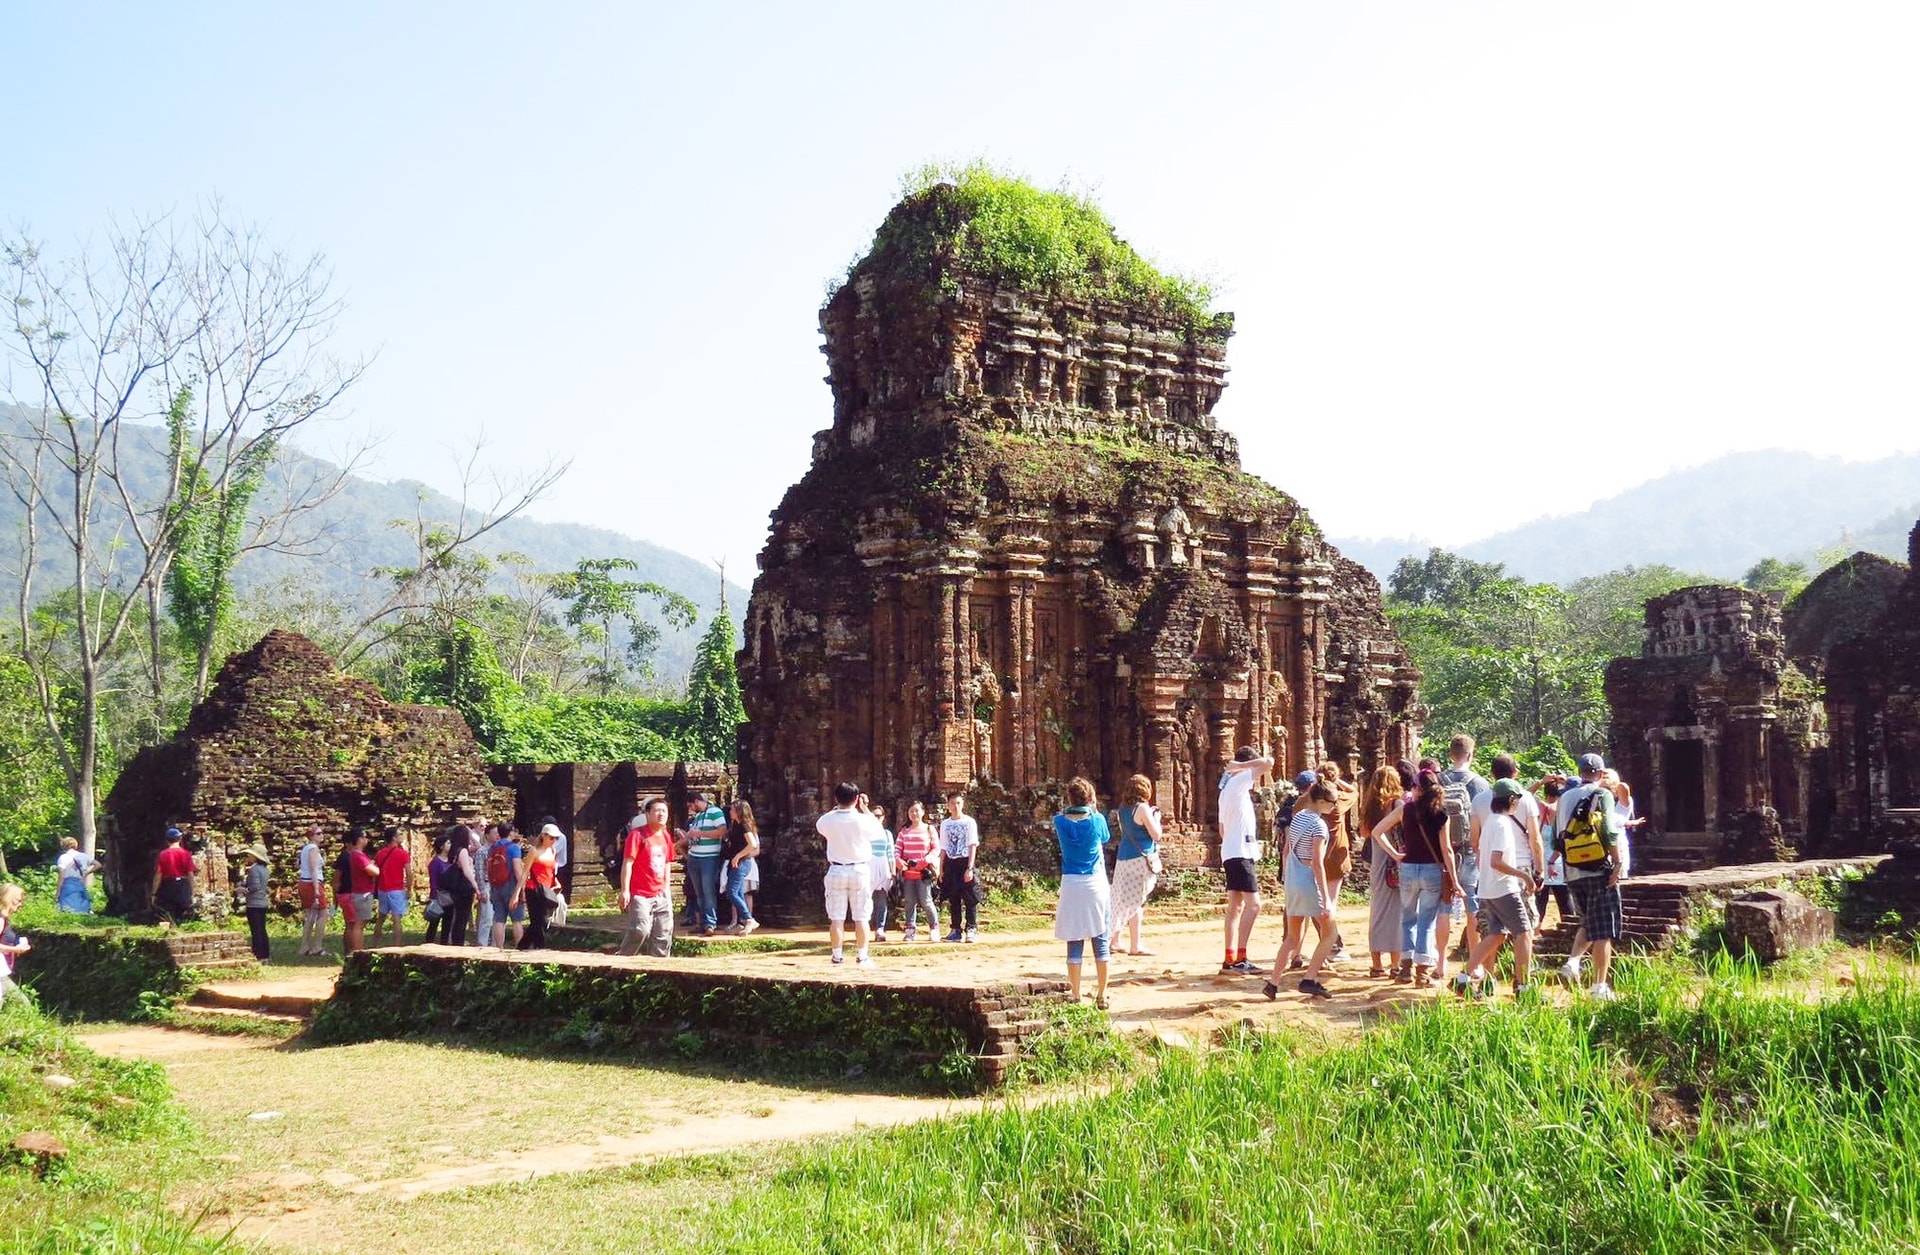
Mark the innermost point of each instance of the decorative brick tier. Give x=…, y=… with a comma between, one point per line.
x=881, y=1023
x=1656, y=907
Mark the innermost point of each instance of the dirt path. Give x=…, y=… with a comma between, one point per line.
x=307, y=1131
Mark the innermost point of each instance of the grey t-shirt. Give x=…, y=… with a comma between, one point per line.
x=256, y=886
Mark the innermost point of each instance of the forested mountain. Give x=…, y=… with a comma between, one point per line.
x=358, y=537
x=1719, y=518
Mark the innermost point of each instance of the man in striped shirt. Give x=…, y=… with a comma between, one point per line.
x=705, y=833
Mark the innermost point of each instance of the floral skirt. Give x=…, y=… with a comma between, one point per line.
x=1132, y=884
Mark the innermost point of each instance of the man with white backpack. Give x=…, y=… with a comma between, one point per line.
x=1461, y=785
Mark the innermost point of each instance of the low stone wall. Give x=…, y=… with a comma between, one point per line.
x=1656, y=908
x=885, y=1025
x=100, y=974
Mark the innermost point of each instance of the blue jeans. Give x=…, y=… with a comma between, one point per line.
x=703, y=891
x=1077, y=950
x=1419, y=904
x=737, y=890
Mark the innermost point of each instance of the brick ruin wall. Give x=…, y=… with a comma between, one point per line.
x=285, y=740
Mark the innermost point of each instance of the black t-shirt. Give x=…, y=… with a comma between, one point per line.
x=1422, y=835
x=735, y=842
x=343, y=871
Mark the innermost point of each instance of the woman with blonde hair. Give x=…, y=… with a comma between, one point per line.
x=1385, y=794
x=1136, y=863
x=1086, y=904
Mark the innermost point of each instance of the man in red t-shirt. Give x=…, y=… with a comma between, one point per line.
x=172, y=887
x=643, y=884
x=391, y=883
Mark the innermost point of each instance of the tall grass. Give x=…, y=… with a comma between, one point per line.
x=1742, y=1123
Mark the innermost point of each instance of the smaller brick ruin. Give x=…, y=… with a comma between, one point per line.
x=1749, y=732
x=1713, y=726
x=285, y=739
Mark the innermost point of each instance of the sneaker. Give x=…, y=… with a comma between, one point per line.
x=1297, y=964
x=1461, y=984
x=1314, y=989
x=839, y=958
x=865, y=960
x=1270, y=990
x=1339, y=955
x=953, y=936
x=973, y=935
x=880, y=939
x=1570, y=971
x=1602, y=992
x=1244, y=967
x=749, y=926
x=907, y=935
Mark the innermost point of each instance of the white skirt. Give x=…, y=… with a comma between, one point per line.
x=1086, y=907
x=1132, y=883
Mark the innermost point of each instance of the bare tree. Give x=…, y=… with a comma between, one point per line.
x=448, y=577
x=212, y=336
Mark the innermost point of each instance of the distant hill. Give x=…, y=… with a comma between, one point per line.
x=1720, y=517
x=360, y=538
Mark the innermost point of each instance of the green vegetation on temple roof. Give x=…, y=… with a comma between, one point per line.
x=1006, y=230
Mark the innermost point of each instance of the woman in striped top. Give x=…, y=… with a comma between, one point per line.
x=1304, y=876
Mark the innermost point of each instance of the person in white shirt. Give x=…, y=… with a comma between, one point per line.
x=959, y=883
x=312, y=870
x=1525, y=811
x=1506, y=879
x=1239, y=851
x=74, y=867
x=850, y=831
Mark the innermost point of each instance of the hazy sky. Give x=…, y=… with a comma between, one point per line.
x=1455, y=236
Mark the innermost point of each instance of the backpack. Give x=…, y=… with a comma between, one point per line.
x=1585, y=840
x=1458, y=799
x=499, y=865
x=343, y=873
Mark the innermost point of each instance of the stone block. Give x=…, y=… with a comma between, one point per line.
x=1772, y=923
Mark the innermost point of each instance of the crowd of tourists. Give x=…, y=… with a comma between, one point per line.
x=1449, y=856
x=1446, y=849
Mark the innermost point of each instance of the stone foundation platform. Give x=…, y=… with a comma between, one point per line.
x=1657, y=907
x=101, y=973
x=896, y=1026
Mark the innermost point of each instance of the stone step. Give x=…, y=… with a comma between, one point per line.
x=242, y=1015
x=237, y=998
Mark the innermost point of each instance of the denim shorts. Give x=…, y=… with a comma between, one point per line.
x=393, y=902
x=498, y=895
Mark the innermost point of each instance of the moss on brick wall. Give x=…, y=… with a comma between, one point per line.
x=120, y=974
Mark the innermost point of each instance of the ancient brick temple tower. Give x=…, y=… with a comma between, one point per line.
x=1025, y=550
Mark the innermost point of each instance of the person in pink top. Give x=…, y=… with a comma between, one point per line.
x=917, y=867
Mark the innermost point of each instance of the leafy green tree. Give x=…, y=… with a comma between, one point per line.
x=36, y=805
x=714, y=708
x=598, y=601
x=1772, y=575
x=209, y=516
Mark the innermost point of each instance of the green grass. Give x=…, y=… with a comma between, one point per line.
x=127, y=1142
x=1736, y=1121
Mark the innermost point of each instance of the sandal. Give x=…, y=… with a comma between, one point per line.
x=1376, y=972
x=1100, y=1001
x=1140, y=953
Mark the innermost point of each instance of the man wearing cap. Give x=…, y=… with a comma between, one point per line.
x=1595, y=888
x=705, y=833
x=1506, y=882
x=1239, y=852
x=172, y=887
